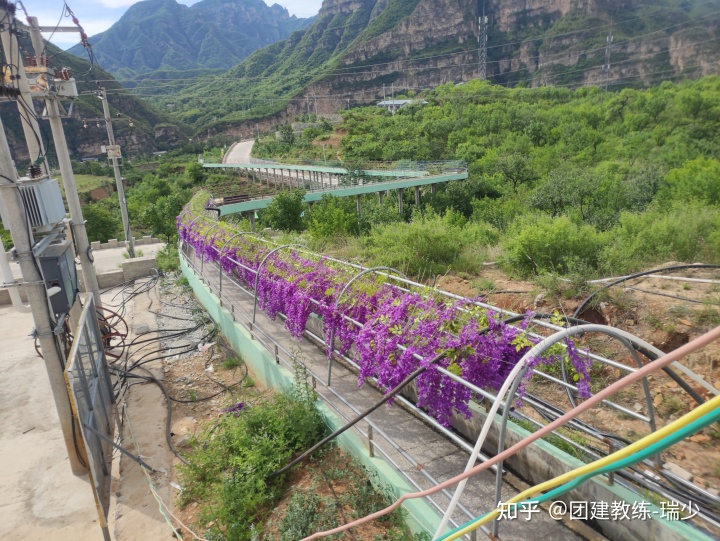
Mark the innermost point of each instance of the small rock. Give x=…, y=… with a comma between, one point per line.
x=184, y=426
x=686, y=322
x=539, y=299
x=183, y=442
x=658, y=400
x=629, y=322
x=671, y=384
x=210, y=369
x=638, y=407
x=682, y=473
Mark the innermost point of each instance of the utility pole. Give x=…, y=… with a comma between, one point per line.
x=606, y=67
x=114, y=154
x=482, y=45
x=14, y=212
x=77, y=221
x=393, y=99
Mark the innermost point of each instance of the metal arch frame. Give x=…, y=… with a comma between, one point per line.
x=257, y=275
x=626, y=339
x=202, y=255
x=402, y=280
x=337, y=303
x=222, y=250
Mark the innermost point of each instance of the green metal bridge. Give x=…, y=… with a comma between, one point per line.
x=319, y=180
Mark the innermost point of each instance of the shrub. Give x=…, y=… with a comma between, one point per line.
x=228, y=472
x=333, y=216
x=285, y=211
x=688, y=232
x=168, y=259
x=428, y=244
x=540, y=243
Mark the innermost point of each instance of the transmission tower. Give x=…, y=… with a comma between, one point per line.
x=482, y=44
x=606, y=67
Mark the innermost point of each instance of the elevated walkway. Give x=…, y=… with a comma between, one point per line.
x=405, y=449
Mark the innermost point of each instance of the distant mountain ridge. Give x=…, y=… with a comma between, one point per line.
x=164, y=35
x=357, y=51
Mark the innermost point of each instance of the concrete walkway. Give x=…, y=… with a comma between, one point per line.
x=418, y=451
x=40, y=498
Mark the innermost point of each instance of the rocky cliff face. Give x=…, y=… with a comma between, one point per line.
x=419, y=44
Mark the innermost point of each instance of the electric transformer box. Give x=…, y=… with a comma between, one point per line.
x=58, y=268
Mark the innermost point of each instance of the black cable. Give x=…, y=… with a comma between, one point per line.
x=678, y=297
x=584, y=304
x=652, y=357
x=168, y=421
x=359, y=418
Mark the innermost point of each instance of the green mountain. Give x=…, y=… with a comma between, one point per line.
x=209, y=35
x=357, y=51
x=151, y=129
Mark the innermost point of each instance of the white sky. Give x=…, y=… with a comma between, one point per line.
x=98, y=15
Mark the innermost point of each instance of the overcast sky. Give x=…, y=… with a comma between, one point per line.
x=98, y=15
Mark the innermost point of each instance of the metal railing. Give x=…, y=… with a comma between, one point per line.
x=482, y=394
x=288, y=359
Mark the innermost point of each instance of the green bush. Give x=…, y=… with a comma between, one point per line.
x=688, y=232
x=697, y=179
x=285, y=211
x=168, y=259
x=228, y=472
x=428, y=244
x=101, y=224
x=539, y=243
x=333, y=216
x=5, y=238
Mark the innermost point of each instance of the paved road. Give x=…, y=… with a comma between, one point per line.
x=240, y=152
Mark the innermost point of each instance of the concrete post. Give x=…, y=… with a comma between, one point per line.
x=251, y=217
x=358, y=203
x=417, y=196
x=432, y=188
x=118, y=177
x=13, y=209
x=400, y=200
x=77, y=222
x=380, y=198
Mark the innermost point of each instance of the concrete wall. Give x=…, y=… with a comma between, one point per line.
x=114, y=243
x=130, y=270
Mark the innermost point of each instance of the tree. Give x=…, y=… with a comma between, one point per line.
x=285, y=211
x=101, y=224
x=160, y=216
x=195, y=173
x=333, y=216
x=697, y=179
